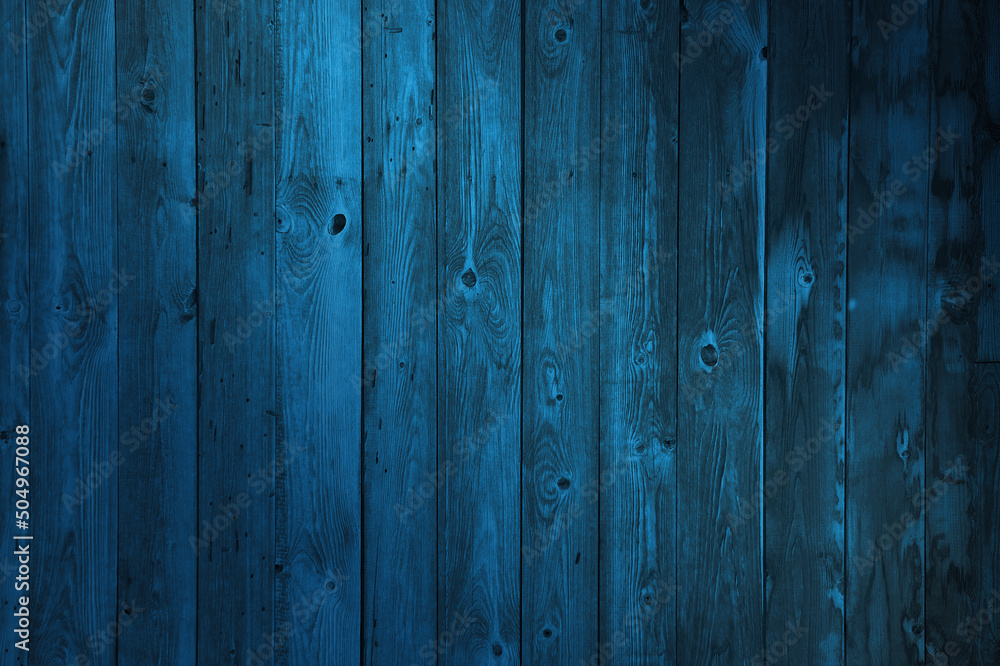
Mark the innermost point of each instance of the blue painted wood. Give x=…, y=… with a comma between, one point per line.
x=399, y=373
x=637, y=484
x=237, y=465
x=319, y=236
x=156, y=442
x=74, y=290
x=479, y=329
x=15, y=335
x=561, y=314
x=804, y=325
x=719, y=330
x=887, y=283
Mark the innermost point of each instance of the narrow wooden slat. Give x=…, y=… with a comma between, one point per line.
x=562, y=143
x=399, y=376
x=15, y=338
x=959, y=274
x=74, y=291
x=805, y=322
x=886, y=235
x=720, y=302
x=638, y=332
x=318, y=221
x=479, y=332
x=156, y=449
x=236, y=261
x=978, y=631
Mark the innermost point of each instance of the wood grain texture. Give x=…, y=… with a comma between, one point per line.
x=979, y=629
x=399, y=378
x=804, y=327
x=887, y=234
x=157, y=350
x=720, y=346
x=479, y=332
x=562, y=144
x=74, y=295
x=236, y=342
x=318, y=80
x=987, y=144
x=15, y=337
x=959, y=272
x=638, y=332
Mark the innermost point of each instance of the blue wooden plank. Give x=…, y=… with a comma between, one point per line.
x=15, y=338
x=805, y=319
x=399, y=377
x=235, y=543
x=887, y=244
x=719, y=322
x=74, y=291
x=156, y=449
x=479, y=332
x=561, y=314
x=319, y=235
x=638, y=337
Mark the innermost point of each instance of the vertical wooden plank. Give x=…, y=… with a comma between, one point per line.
x=15, y=357
x=959, y=275
x=886, y=236
x=156, y=451
x=988, y=317
x=638, y=348
x=562, y=144
x=720, y=303
x=236, y=263
x=399, y=380
x=979, y=629
x=74, y=288
x=805, y=322
x=479, y=333
x=318, y=222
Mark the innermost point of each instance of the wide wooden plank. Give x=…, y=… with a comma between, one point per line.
x=74, y=291
x=157, y=348
x=318, y=221
x=959, y=274
x=15, y=338
x=561, y=315
x=720, y=346
x=479, y=332
x=235, y=538
x=886, y=234
x=805, y=321
x=638, y=331
x=399, y=379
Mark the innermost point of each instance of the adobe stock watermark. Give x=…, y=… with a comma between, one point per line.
x=900, y=15
x=968, y=629
x=258, y=482
x=93, y=138
x=107, y=637
x=915, y=167
x=303, y=611
x=893, y=533
x=430, y=651
x=130, y=441
x=956, y=300
x=778, y=650
x=710, y=31
x=781, y=133
x=795, y=460
x=650, y=604
x=85, y=313
x=47, y=10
